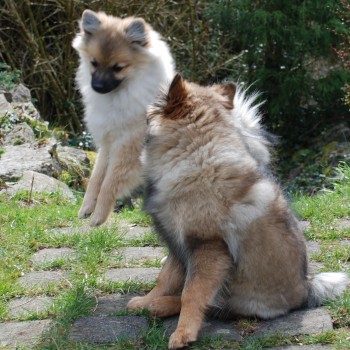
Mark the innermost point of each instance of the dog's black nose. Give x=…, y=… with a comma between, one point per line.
x=100, y=87
x=105, y=84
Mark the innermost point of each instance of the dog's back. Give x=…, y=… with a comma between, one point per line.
x=208, y=163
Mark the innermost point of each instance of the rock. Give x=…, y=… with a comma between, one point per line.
x=304, y=225
x=133, y=232
x=49, y=255
x=304, y=347
x=210, y=328
x=72, y=155
x=35, y=157
x=20, y=134
x=41, y=279
x=136, y=255
x=73, y=160
x=111, y=304
x=21, y=93
x=68, y=231
x=315, y=267
x=25, y=110
x=14, y=335
x=36, y=182
x=24, y=307
x=5, y=106
x=104, y=329
x=313, y=247
x=139, y=274
x=311, y=321
x=342, y=224
x=6, y=93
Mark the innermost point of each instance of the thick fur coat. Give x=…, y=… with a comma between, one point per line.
x=235, y=247
x=123, y=65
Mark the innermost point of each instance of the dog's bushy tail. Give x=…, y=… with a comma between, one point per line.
x=326, y=286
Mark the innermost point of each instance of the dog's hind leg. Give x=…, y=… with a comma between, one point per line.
x=209, y=266
x=170, y=280
x=94, y=184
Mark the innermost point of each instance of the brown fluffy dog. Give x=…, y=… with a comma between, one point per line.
x=234, y=245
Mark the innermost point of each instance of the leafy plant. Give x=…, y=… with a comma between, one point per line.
x=8, y=77
x=288, y=53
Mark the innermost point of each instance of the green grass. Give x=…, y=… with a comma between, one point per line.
x=30, y=223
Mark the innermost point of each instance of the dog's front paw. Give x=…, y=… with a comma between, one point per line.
x=137, y=303
x=86, y=210
x=98, y=218
x=181, y=338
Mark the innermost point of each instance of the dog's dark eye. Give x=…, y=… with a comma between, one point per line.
x=117, y=68
x=94, y=63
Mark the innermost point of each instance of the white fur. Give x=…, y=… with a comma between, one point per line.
x=247, y=118
x=326, y=286
x=113, y=114
x=254, y=205
x=117, y=122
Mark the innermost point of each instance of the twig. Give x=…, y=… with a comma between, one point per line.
x=31, y=190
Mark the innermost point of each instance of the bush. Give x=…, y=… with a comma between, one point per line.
x=288, y=53
x=36, y=39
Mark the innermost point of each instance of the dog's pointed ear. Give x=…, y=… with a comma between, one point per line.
x=227, y=90
x=175, y=106
x=177, y=89
x=90, y=22
x=136, y=32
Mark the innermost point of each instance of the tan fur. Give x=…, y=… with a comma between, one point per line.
x=235, y=247
x=124, y=64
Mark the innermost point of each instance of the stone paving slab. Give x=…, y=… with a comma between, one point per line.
x=41, y=279
x=111, y=304
x=137, y=232
x=311, y=321
x=210, y=328
x=49, y=255
x=19, y=334
x=68, y=231
x=315, y=267
x=313, y=247
x=104, y=329
x=139, y=274
x=303, y=347
x=304, y=225
x=23, y=307
x=137, y=255
x=342, y=224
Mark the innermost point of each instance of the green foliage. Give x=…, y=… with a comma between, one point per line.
x=8, y=78
x=42, y=32
x=288, y=53
x=290, y=50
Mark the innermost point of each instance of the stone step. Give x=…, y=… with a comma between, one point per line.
x=310, y=321
x=49, y=255
x=24, y=307
x=111, y=304
x=136, y=274
x=107, y=329
x=303, y=347
x=42, y=279
x=140, y=255
x=14, y=335
x=210, y=328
